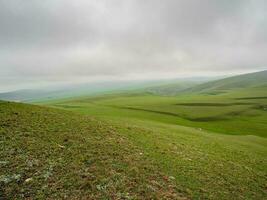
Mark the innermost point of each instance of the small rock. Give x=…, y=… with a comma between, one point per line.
x=61, y=146
x=28, y=180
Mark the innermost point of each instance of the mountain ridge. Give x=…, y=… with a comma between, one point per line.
x=255, y=79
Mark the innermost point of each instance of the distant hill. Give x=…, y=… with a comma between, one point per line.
x=24, y=95
x=175, y=87
x=161, y=87
x=31, y=95
x=209, y=86
x=171, y=88
x=257, y=79
x=158, y=87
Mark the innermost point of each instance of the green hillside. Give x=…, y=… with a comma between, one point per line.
x=48, y=153
x=236, y=82
x=163, y=87
x=174, y=87
x=55, y=154
x=139, y=145
x=170, y=89
x=238, y=112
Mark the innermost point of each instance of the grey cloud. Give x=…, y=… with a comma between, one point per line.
x=64, y=38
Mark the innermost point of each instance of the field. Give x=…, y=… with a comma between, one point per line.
x=242, y=112
x=213, y=145
x=61, y=155
x=209, y=144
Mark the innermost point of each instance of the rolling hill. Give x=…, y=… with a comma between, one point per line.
x=175, y=87
x=68, y=91
x=200, y=144
x=52, y=154
x=257, y=79
x=216, y=106
x=157, y=87
x=57, y=154
x=171, y=89
x=161, y=87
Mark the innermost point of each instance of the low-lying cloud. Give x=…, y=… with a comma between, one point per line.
x=71, y=40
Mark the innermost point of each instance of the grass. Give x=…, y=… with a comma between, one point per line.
x=48, y=153
x=138, y=145
x=205, y=165
x=213, y=145
x=234, y=113
x=61, y=154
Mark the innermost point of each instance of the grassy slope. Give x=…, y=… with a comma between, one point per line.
x=235, y=105
x=235, y=82
x=216, y=164
x=71, y=155
x=188, y=162
x=48, y=153
x=238, y=112
x=171, y=89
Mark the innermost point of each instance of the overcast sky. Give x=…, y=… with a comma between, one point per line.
x=82, y=40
